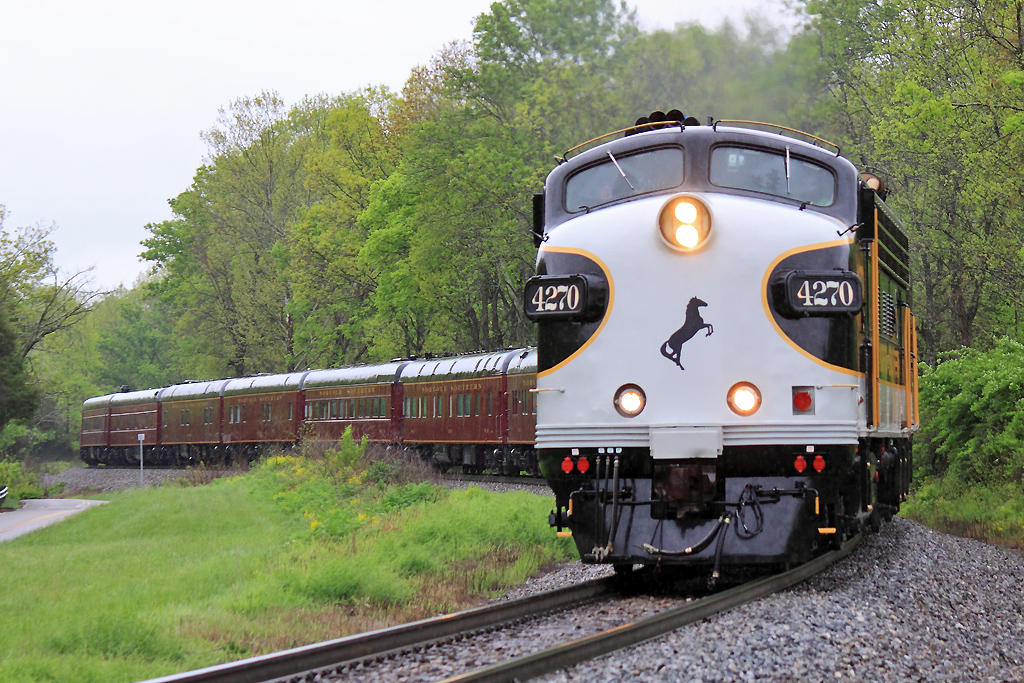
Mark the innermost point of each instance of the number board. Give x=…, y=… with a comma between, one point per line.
x=555, y=297
x=823, y=293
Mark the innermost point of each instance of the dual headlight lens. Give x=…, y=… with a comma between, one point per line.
x=685, y=223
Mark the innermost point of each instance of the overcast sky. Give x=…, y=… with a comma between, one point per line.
x=102, y=101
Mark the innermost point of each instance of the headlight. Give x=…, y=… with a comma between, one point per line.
x=744, y=398
x=685, y=223
x=630, y=400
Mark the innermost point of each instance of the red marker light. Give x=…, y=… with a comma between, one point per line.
x=583, y=465
x=800, y=464
x=802, y=401
x=818, y=464
x=567, y=465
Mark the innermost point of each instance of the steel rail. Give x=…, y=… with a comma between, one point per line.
x=568, y=654
x=379, y=643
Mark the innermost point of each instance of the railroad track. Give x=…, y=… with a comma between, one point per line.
x=390, y=641
x=387, y=641
x=495, y=479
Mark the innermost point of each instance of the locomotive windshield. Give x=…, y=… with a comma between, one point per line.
x=775, y=173
x=618, y=177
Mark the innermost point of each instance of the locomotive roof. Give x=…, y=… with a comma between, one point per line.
x=385, y=373
x=288, y=381
x=697, y=141
x=455, y=367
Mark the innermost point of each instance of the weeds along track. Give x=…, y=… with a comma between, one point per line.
x=393, y=641
x=357, y=656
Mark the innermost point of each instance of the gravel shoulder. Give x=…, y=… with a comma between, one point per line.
x=90, y=480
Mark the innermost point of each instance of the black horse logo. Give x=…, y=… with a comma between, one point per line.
x=673, y=347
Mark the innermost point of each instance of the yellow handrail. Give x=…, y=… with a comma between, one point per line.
x=875, y=341
x=651, y=124
x=778, y=127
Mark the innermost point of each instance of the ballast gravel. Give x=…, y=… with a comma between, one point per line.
x=104, y=479
x=909, y=604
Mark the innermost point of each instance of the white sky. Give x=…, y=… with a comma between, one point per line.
x=102, y=101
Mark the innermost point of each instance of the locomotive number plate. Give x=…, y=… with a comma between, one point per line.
x=555, y=296
x=824, y=292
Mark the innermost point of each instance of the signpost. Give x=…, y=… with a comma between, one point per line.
x=141, y=437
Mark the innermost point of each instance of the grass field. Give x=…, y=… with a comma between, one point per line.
x=169, y=579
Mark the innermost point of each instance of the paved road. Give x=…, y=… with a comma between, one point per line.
x=35, y=514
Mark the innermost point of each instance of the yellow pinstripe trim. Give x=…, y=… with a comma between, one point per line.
x=608, y=309
x=768, y=311
x=908, y=386
x=913, y=332
x=875, y=342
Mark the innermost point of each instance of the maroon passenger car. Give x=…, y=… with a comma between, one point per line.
x=474, y=410
x=455, y=411
x=191, y=422
x=362, y=397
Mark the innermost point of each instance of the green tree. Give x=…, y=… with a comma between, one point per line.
x=18, y=395
x=930, y=94
x=217, y=260
x=354, y=148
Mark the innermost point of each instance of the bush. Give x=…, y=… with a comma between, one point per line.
x=972, y=414
x=21, y=482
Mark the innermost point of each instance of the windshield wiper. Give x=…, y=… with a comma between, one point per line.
x=787, y=172
x=622, y=173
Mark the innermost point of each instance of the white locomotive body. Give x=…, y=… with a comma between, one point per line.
x=725, y=363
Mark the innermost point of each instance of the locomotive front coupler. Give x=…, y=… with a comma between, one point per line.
x=764, y=496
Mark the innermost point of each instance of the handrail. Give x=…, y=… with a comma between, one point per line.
x=814, y=138
x=650, y=124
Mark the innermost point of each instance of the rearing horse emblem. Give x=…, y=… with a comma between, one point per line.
x=672, y=348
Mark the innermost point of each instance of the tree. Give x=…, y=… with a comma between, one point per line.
x=38, y=298
x=18, y=396
x=218, y=259
x=332, y=290
x=930, y=94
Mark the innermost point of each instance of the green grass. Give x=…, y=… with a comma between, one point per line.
x=990, y=512
x=169, y=579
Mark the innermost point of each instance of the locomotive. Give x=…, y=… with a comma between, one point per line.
x=726, y=351
x=474, y=410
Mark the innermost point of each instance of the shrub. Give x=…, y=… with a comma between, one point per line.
x=972, y=406
x=21, y=482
